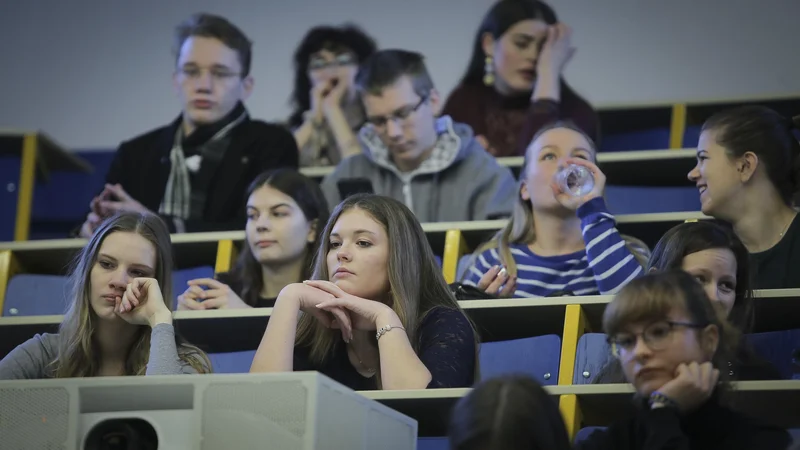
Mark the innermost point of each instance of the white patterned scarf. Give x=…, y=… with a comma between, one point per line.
x=177, y=196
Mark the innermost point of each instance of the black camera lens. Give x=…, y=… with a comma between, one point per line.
x=122, y=434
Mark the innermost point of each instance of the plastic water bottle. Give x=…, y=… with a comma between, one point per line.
x=575, y=180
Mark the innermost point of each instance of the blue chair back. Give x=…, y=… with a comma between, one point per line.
x=584, y=433
x=779, y=348
x=463, y=266
x=232, y=362
x=592, y=355
x=536, y=356
x=180, y=279
x=9, y=193
x=433, y=443
x=651, y=199
x=35, y=295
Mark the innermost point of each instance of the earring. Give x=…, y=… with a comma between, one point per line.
x=488, y=70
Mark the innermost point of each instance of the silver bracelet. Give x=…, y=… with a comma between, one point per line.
x=386, y=329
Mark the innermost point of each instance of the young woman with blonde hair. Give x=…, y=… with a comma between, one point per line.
x=556, y=243
x=378, y=313
x=119, y=320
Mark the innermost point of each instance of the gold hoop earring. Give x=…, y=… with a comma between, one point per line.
x=488, y=71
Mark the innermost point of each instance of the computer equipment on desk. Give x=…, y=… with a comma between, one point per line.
x=282, y=411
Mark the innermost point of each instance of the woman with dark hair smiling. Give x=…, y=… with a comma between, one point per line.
x=514, y=83
x=748, y=174
x=327, y=112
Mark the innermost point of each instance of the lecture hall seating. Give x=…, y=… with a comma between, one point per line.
x=640, y=176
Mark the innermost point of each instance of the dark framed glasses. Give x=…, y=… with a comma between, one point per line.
x=656, y=336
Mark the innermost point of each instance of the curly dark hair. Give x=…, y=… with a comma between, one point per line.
x=325, y=37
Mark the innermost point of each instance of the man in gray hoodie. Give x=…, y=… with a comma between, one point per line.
x=434, y=166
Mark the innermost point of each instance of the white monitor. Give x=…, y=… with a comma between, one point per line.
x=285, y=411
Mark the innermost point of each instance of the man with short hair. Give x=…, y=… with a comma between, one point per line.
x=195, y=171
x=435, y=166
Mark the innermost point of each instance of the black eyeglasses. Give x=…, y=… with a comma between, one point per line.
x=341, y=60
x=656, y=337
x=400, y=115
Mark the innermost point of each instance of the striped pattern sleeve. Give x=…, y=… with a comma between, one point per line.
x=480, y=265
x=610, y=260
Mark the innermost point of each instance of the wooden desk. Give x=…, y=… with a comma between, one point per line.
x=228, y=330
x=773, y=401
x=54, y=256
x=666, y=167
x=647, y=227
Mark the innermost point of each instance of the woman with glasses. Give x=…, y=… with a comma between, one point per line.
x=718, y=260
x=327, y=113
x=672, y=342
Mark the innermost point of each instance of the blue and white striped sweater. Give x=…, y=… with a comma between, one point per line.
x=604, y=267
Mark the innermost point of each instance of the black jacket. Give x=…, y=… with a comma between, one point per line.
x=710, y=427
x=141, y=165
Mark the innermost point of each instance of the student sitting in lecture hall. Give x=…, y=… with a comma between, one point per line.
x=327, y=112
x=510, y=412
x=748, y=174
x=188, y=171
x=119, y=320
x=713, y=254
x=673, y=346
x=556, y=243
x=514, y=84
x=434, y=166
x=377, y=314
x=286, y=212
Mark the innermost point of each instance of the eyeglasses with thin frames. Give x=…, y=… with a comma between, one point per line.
x=341, y=60
x=217, y=74
x=400, y=116
x=656, y=336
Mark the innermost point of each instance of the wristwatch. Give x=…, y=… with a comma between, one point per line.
x=659, y=400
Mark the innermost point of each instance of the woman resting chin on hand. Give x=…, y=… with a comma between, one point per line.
x=368, y=324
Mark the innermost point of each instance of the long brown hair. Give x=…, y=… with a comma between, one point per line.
x=78, y=355
x=415, y=279
x=520, y=230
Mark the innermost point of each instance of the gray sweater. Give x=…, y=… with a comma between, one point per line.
x=31, y=359
x=460, y=181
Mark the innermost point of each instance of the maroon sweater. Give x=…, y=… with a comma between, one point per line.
x=509, y=123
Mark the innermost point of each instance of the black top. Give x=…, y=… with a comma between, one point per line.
x=779, y=267
x=142, y=165
x=710, y=427
x=237, y=286
x=446, y=347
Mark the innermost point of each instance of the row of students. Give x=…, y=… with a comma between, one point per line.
x=671, y=342
x=123, y=274
x=513, y=84
x=213, y=150
x=553, y=243
x=377, y=311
